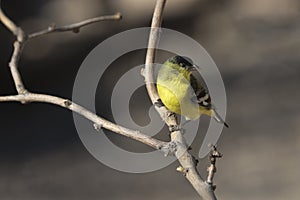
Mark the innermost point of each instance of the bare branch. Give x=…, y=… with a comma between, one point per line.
x=212, y=169
x=13, y=65
x=22, y=37
x=65, y=103
x=188, y=166
x=7, y=22
x=18, y=32
x=152, y=43
x=18, y=47
x=25, y=97
x=74, y=27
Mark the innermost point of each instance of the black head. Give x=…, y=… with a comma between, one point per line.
x=183, y=61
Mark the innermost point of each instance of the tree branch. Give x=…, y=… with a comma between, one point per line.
x=13, y=65
x=18, y=47
x=212, y=169
x=25, y=96
x=152, y=43
x=22, y=37
x=18, y=32
x=65, y=103
x=188, y=164
x=74, y=27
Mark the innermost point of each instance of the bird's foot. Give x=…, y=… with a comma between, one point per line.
x=159, y=103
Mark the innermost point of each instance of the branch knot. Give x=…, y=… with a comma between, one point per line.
x=169, y=149
x=67, y=103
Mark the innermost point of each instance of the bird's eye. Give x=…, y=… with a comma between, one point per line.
x=182, y=64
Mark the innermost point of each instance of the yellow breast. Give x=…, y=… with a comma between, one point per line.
x=169, y=99
x=175, y=92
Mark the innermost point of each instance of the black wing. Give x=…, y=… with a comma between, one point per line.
x=202, y=96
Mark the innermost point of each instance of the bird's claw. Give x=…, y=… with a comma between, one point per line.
x=158, y=103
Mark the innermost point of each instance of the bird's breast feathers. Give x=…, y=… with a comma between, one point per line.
x=176, y=94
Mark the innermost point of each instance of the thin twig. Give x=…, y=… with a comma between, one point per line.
x=13, y=65
x=152, y=43
x=18, y=48
x=212, y=169
x=18, y=32
x=74, y=27
x=65, y=103
x=188, y=166
x=22, y=37
x=7, y=22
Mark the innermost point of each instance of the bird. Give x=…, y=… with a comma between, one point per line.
x=181, y=92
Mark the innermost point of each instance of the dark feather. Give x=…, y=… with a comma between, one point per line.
x=181, y=60
x=202, y=96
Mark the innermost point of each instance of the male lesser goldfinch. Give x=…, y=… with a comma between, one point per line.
x=181, y=92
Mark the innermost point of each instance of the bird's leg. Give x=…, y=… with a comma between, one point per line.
x=159, y=103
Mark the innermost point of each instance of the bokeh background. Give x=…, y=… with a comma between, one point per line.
x=254, y=43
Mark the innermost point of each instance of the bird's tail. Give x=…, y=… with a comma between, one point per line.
x=219, y=119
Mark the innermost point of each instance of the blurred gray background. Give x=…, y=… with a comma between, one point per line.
x=254, y=43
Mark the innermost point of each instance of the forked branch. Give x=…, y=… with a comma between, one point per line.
x=25, y=96
x=188, y=164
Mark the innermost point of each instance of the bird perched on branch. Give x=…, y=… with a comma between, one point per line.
x=181, y=92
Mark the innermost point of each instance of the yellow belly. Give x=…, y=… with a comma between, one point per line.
x=176, y=93
x=169, y=99
x=179, y=104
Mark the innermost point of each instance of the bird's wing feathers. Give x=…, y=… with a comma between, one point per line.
x=202, y=97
